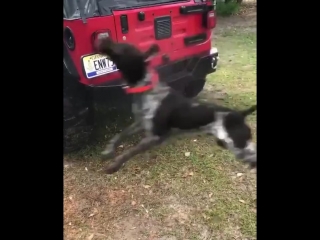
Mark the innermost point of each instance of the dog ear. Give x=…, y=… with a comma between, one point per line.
x=104, y=46
x=248, y=111
x=151, y=52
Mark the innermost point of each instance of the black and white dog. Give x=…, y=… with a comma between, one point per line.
x=162, y=112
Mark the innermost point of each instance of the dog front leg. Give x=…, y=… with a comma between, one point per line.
x=144, y=145
x=115, y=141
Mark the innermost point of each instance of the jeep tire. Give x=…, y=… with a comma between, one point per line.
x=78, y=124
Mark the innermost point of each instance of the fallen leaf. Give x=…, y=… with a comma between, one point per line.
x=187, y=174
x=242, y=201
x=144, y=208
x=133, y=203
x=239, y=174
x=91, y=236
x=187, y=154
x=205, y=216
x=95, y=211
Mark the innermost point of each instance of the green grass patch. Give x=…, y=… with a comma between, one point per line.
x=227, y=9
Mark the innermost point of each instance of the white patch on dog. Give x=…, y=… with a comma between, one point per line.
x=146, y=104
x=250, y=146
x=217, y=129
x=151, y=102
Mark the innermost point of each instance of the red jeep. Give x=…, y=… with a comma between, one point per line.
x=181, y=28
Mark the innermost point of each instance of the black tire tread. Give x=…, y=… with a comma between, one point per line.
x=76, y=137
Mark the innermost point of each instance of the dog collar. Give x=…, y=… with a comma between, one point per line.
x=148, y=85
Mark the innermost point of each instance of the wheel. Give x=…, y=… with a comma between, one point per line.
x=193, y=88
x=78, y=126
x=76, y=137
x=77, y=131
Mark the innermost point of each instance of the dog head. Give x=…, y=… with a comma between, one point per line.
x=131, y=62
x=233, y=133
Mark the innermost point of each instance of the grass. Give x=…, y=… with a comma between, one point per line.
x=227, y=9
x=207, y=195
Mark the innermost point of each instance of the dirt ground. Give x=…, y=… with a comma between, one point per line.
x=190, y=188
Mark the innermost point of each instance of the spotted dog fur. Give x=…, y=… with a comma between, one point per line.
x=162, y=112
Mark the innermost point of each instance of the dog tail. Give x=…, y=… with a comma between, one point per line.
x=249, y=110
x=153, y=50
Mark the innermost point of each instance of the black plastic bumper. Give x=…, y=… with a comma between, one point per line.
x=197, y=67
x=185, y=70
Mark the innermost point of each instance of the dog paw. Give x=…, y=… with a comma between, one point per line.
x=107, y=154
x=112, y=168
x=253, y=165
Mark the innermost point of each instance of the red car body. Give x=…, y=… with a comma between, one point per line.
x=181, y=28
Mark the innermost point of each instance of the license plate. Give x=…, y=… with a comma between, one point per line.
x=96, y=65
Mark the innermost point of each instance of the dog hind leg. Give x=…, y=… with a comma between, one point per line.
x=144, y=145
x=115, y=141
